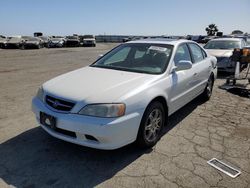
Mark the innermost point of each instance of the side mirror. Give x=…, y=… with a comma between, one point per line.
x=183, y=65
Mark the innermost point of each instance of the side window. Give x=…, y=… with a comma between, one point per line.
x=204, y=54
x=119, y=56
x=182, y=53
x=196, y=52
x=139, y=54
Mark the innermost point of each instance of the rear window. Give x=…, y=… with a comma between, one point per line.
x=197, y=53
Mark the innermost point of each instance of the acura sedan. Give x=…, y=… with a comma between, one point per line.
x=127, y=95
x=222, y=49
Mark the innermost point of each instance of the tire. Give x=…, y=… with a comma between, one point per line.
x=22, y=47
x=150, y=131
x=207, y=93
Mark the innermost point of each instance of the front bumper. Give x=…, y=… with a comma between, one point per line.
x=72, y=44
x=88, y=43
x=30, y=45
x=12, y=45
x=226, y=66
x=55, y=45
x=111, y=133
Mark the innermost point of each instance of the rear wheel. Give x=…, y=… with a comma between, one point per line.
x=151, y=125
x=209, y=89
x=22, y=47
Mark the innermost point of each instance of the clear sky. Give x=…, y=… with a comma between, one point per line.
x=134, y=17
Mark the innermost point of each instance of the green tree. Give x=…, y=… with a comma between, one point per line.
x=211, y=30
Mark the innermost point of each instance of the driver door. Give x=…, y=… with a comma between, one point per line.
x=181, y=88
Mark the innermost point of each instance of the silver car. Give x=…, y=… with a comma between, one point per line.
x=222, y=49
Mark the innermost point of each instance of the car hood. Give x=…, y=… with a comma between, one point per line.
x=220, y=53
x=2, y=40
x=95, y=85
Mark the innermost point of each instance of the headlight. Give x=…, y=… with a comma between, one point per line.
x=103, y=110
x=40, y=93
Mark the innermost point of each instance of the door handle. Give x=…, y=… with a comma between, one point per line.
x=195, y=74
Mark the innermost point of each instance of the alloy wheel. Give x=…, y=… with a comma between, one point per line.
x=153, y=125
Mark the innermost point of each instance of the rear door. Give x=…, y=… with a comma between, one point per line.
x=201, y=69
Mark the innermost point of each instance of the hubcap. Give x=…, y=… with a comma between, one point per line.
x=153, y=125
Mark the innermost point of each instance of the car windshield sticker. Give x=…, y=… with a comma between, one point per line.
x=158, y=48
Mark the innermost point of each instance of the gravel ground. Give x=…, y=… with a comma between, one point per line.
x=31, y=158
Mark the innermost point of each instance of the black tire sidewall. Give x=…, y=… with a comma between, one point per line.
x=205, y=94
x=141, y=141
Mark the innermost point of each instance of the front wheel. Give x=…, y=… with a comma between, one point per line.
x=209, y=89
x=151, y=125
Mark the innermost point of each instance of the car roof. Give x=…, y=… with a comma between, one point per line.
x=160, y=41
x=227, y=39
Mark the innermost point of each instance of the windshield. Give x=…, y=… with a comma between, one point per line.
x=56, y=39
x=33, y=39
x=26, y=37
x=195, y=37
x=44, y=38
x=222, y=44
x=88, y=36
x=72, y=37
x=143, y=58
x=15, y=39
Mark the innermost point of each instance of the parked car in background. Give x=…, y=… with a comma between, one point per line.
x=89, y=40
x=32, y=42
x=14, y=42
x=56, y=43
x=197, y=38
x=45, y=39
x=207, y=38
x=127, y=39
x=126, y=95
x=222, y=49
x=72, y=41
x=3, y=41
x=38, y=34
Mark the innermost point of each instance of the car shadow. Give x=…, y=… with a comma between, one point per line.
x=181, y=114
x=35, y=159
x=223, y=75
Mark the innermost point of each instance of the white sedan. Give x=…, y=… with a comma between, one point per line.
x=126, y=95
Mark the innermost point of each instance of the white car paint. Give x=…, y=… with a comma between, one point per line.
x=91, y=85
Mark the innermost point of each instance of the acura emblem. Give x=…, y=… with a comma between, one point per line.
x=55, y=103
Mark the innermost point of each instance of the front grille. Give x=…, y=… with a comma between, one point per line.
x=219, y=59
x=59, y=104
